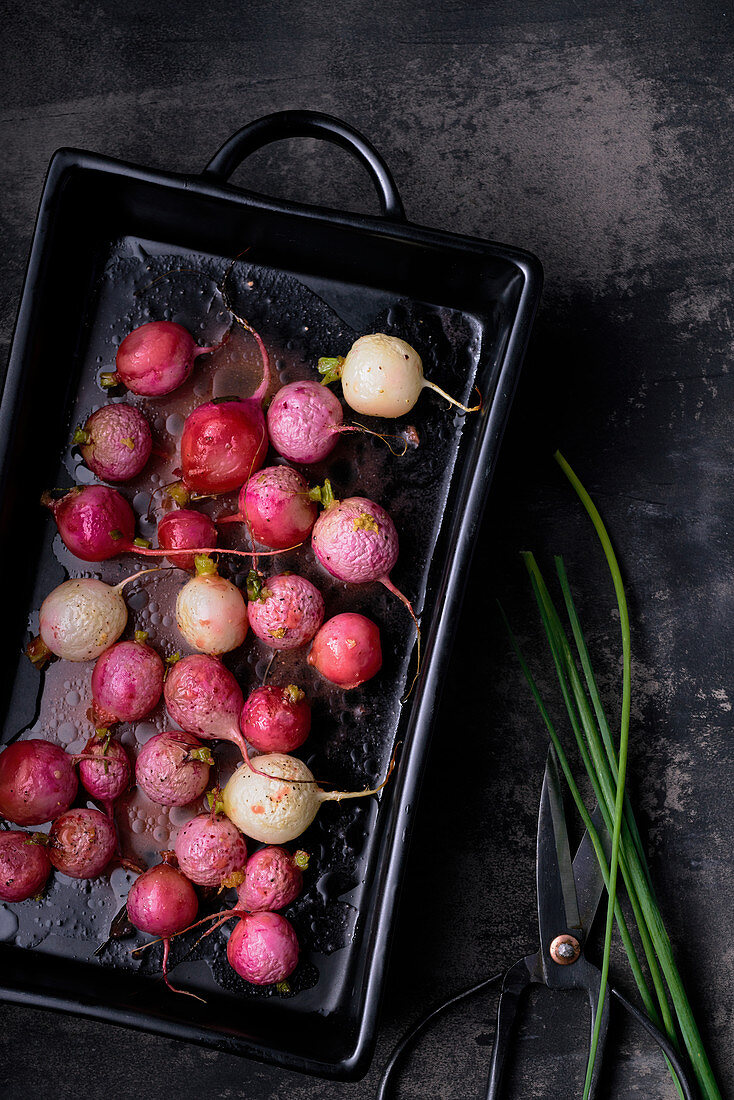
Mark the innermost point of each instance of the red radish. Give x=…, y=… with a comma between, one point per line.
x=278, y=802
x=222, y=443
x=273, y=879
x=154, y=359
x=24, y=865
x=277, y=508
x=104, y=769
x=382, y=376
x=287, y=612
x=82, y=843
x=37, y=782
x=210, y=850
x=263, y=948
x=225, y=441
x=347, y=650
x=186, y=529
x=276, y=719
x=115, y=442
x=96, y=523
x=163, y=902
x=211, y=612
x=80, y=619
x=126, y=683
x=304, y=421
x=173, y=768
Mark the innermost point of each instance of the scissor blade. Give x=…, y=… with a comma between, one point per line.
x=557, y=904
x=587, y=873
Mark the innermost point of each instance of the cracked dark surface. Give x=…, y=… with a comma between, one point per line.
x=599, y=138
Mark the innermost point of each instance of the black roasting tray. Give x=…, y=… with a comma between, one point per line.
x=114, y=243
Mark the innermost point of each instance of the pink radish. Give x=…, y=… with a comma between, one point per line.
x=225, y=441
x=382, y=376
x=273, y=879
x=126, y=683
x=37, y=782
x=211, y=851
x=204, y=698
x=24, y=865
x=356, y=541
x=211, y=612
x=347, y=650
x=173, y=768
x=279, y=801
x=304, y=421
x=276, y=719
x=82, y=843
x=115, y=442
x=287, y=612
x=154, y=359
x=96, y=523
x=263, y=948
x=104, y=769
x=186, y=529
x=163, y=902
x=276, y=506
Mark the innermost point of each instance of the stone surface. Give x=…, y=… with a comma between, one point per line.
x=598, y=137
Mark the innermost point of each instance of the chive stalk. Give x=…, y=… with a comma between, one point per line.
x=593, y=760
x=661, y=941
x=606, y=768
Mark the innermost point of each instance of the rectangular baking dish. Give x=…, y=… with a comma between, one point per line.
x=359, y=265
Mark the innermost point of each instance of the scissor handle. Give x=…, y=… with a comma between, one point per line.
x=582, y=976
x=514, y=985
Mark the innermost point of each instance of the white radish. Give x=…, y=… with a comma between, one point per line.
x=211, y=612
x=279, y=801
x=80, y=619
x=382, y=375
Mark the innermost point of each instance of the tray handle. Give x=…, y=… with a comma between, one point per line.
x=288, y=124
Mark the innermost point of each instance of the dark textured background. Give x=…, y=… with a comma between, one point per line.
x=598, y=136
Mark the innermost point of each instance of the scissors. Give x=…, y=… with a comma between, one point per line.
x=569, y=893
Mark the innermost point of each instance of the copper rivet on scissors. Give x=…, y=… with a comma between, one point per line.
x=565, y=950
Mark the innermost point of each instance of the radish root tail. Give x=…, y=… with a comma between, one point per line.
x=339, y=796
x=185, y=992
x=404, y=600
x=452, y=400
x=356, y=427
